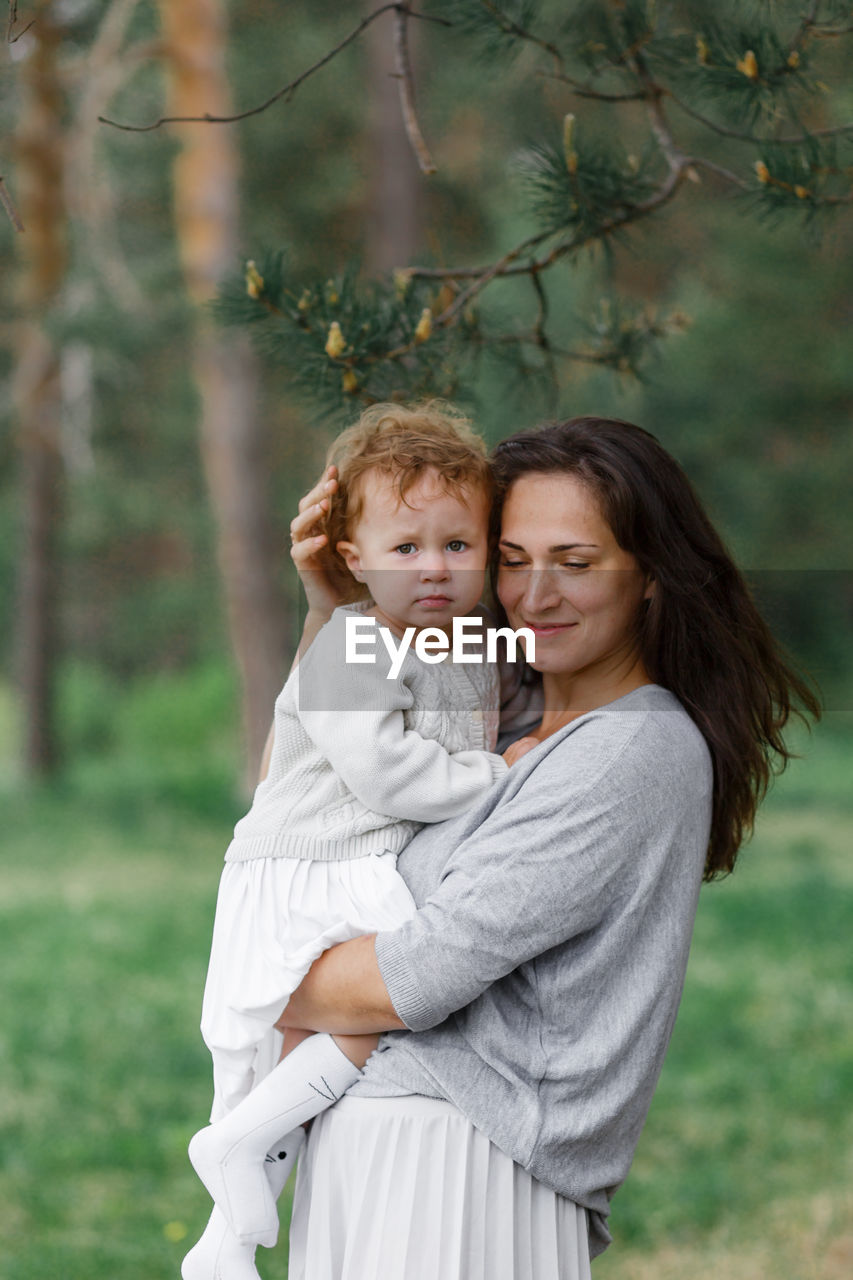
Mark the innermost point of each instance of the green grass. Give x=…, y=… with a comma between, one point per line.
x=103, y=953
x=105, y=911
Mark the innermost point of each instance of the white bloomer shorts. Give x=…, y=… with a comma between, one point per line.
x=274, y=917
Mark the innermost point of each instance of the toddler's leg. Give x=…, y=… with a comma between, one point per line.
x=357, y=1048
x=229, y=1156
x=218, y=1254
x=292, y=1038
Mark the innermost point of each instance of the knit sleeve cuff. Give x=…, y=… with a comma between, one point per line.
x=402, y=984
x=498, y=766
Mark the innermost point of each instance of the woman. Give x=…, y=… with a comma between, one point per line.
x=531, y=998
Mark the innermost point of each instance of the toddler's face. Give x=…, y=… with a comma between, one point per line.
x=424, y=560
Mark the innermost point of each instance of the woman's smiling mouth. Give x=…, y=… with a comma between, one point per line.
x=548, y=628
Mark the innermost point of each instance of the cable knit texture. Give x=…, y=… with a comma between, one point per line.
x=360, y=762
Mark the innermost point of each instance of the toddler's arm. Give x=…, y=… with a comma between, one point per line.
x=354, y=716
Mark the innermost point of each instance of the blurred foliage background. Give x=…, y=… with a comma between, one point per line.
x=122, y=588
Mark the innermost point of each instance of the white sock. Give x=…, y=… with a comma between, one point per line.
x=281, y=1159
x=229, y=1156
x=218, y=1254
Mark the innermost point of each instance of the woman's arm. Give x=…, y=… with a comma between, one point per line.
x=343, y=992
x=307, y=550
x=521, y=883
x=591, y=820
x=518, y=885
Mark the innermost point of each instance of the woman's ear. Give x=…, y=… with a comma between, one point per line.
x=352, y=558
x=651, y=589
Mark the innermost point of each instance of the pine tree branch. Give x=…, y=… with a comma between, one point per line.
x=503, y=267
x=834, y=131
x=407, y=92
x=509, y=266
x=699, y=162
x=542, y=309
x=673, y=154
x=289, y=89
x=810, y=26
x=510, y=27
x=10, y=26
x=531, y=338
x=586, y=91
x=9, y=205
x=586, y=199
x=587, y=357
x=806, y=27
x=724, y=131
x=470, y=273
x=543, y=342
x=829, y=33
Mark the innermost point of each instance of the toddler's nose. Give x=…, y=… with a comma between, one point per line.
x=435, y=569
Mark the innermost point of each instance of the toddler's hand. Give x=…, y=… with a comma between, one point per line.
x=309, y=550
x=516, y=750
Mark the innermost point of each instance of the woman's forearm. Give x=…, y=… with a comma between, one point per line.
x=343, y=993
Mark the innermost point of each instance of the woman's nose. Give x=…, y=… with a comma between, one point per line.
x=540, y=591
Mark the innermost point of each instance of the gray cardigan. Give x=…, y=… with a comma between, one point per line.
x=543, y=970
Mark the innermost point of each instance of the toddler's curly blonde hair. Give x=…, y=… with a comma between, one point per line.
x=402, y=442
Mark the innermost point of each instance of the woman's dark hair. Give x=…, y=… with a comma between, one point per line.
x=700, y=635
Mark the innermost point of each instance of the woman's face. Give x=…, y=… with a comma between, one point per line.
x=563, y=574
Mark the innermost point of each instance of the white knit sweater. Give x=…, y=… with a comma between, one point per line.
x=360, y=762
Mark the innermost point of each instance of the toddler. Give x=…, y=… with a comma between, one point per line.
x=359, y=761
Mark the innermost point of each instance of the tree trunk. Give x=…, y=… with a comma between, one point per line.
x=232, y=443
x=394, y=221
x=39, y=191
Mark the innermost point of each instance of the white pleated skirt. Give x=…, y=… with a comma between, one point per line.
x=408, y=1189
x=274, y=917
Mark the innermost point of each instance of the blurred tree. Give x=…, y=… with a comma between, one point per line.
x=755, y=398
x=394, y=221
x=206, y=214
x=40, y=144
x=65, y=306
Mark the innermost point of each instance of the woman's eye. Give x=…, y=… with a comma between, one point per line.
x=510, y=564
x=456, y=544
x=576, y=564
x=405, y=548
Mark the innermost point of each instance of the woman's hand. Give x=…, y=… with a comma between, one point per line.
x=310, y=549
x=520, y=748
